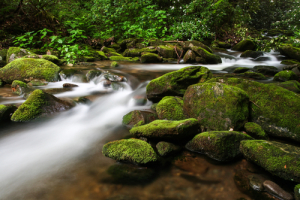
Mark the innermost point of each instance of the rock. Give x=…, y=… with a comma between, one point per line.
x=290, y=51
x=290, y=62
x=16, y=52
x=114, y=64
x=106, y=83
x=102, y=55
x=285, y=75
x=19, y=87
x=67, y=73
x=221, y=146
x=252, y=54
x=138, y=118
x=266, y=70
x=37, y=82
x=167, y=51
x=38, y=104
x=25, y=68
x=175, y=83
x=167, y=130
x=262, y=59
x=241, y=70
x=3, y=54
x=244, y=45
x=137, y=52
x=217, y=106
x=206, y=57
x=279, y=159
x=115, y=46
x=254, y=75
x=140, y=100
x=223, y=45
x=293, y=85
x=166, y=148
x=267, y=109
x=186, y=45
x=189, y=57
x=297, y=192
x=6, y=112
x=114, y=78
x=82, y=100
x=276, y=190
x=255, y=131
x=121, y=58
x=151, y=58
x=130, y=150
x=51, y=58
x=170, y=108
x=92, y=74
x=116, y=86
x=69, y=85
x=155, y=42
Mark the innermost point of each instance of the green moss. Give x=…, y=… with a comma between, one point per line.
x=151, y=58
x=18, y=53
x=224, y=45
x=51, y=58
x=221, y=145
x=170, y=108
x=244, y=45
x=130, y=150
x=137, y=52
x=206, y=57
x=166, y=148
x=254, y=75
x=280, y=159
x=293, y=85
x=169, y=130
x=25, y=68
x=138, y=117
x=241, y=70
x=255, y=131
x=127, y=118
x=252, y=54
x=297, y=192
x=285, y=75
x=109, y=50
x=121, y=58
x=290, y=62
x=67, y=73
x=290, y=51
x=267, y=70
x=114, y=64
x=16, y=83
x=217, y=106
x=191, y=43
x=102, y=55
x=167, y=51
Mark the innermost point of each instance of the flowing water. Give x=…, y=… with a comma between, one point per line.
x=59, y=157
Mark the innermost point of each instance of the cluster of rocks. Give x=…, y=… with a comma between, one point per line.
x=224, y=118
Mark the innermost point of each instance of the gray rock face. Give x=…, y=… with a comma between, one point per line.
x=276, y=190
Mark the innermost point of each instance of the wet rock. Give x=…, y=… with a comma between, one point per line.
x=19, y=87
x=106, y=83
x=221, y=146
x=167, y=51
x=255, y=131
x=56, y=90
x=166, y=148
x=140, y=100
x=24, y=68
x=153, y=106
x=86, y=64
x=244, y=45
x=139, y=117
x=285, y=75
x=69, y=85
x=114, y=78
x=276, y=190
x=217, y=106
x=241, y=70
x=130, y=150
x=252, y=54
x=189, y=57
x=266, y=70
x=67, y=73
x=167, y=130
x=297, y=192
x=38, y=104
x=151, y=58
x=254, y=75
x=290, y=51
x=6, y=112
x=279, y=159
x=16, y=52
x=205, y=57
x=37, y=82
x=114, y=64
x=266, y=108
x=175, y=83
x=92, y=74
x=82, y=100
x=170, y=108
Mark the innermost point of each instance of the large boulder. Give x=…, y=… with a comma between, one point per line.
x=280, y=159
x=16, y=52
x=205, y=57
x=217, y=106
x=290, y=51
x=218, y=145
x=170, y=108
x=130, y=150
x=39, y=103
x=167, y=130
x=285, y=75
x=244, y=45
x=151, y=58
x=272, y=107
x=175, y=83
x=25, y=68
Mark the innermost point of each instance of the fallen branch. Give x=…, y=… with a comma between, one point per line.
x=179, y=57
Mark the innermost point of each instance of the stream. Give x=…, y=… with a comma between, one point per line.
x=59, y=157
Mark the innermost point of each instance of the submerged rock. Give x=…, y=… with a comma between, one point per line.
x=69, y=85
x=138, y=118
x=221, y=146
x=25, y=68
x=166, y=148
x=130, y=150
x=217, y=106
x=170, y=108
x=244, y=45
x=167, y=130
x=279, y=159
x=285, y=75
x=175, y=83
x=255, y=131
x=6, y=112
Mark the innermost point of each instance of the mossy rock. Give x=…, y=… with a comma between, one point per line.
x=137, y=52
x=16, y=52
x=279, y=159
x=252, y=54
x=138, y=118
x=92, y=74
x=130, y=150
x=272, y=107
x=121, y=58
x=24, y=68
x=151, y=58
x=167, y=51
x=155, y=42
x=170, y=108
x=102, y=55
x=223, y=45
x=189, y=57
x=51, y=58
x=108, y=50
x=115, y=46
x=6, y=112
x=244, y=45
x=218, y=145
x=205, y=57
x=186, y=45
x=36, y=82
x=166, y=148
x=293, y=85
x=114, y=64
x=38, y=104
x=254, y=75
x=285, y=75
x=3, y=54
x=167, y=130
x=255, y=131
x=68, y=73
x=19, y=87
x=290, y=62
x=217, y=106
x=266, y=70
x=241, y=70
x=175, y=83
x=88, y=59
x=290, y=51
x=297, y=192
